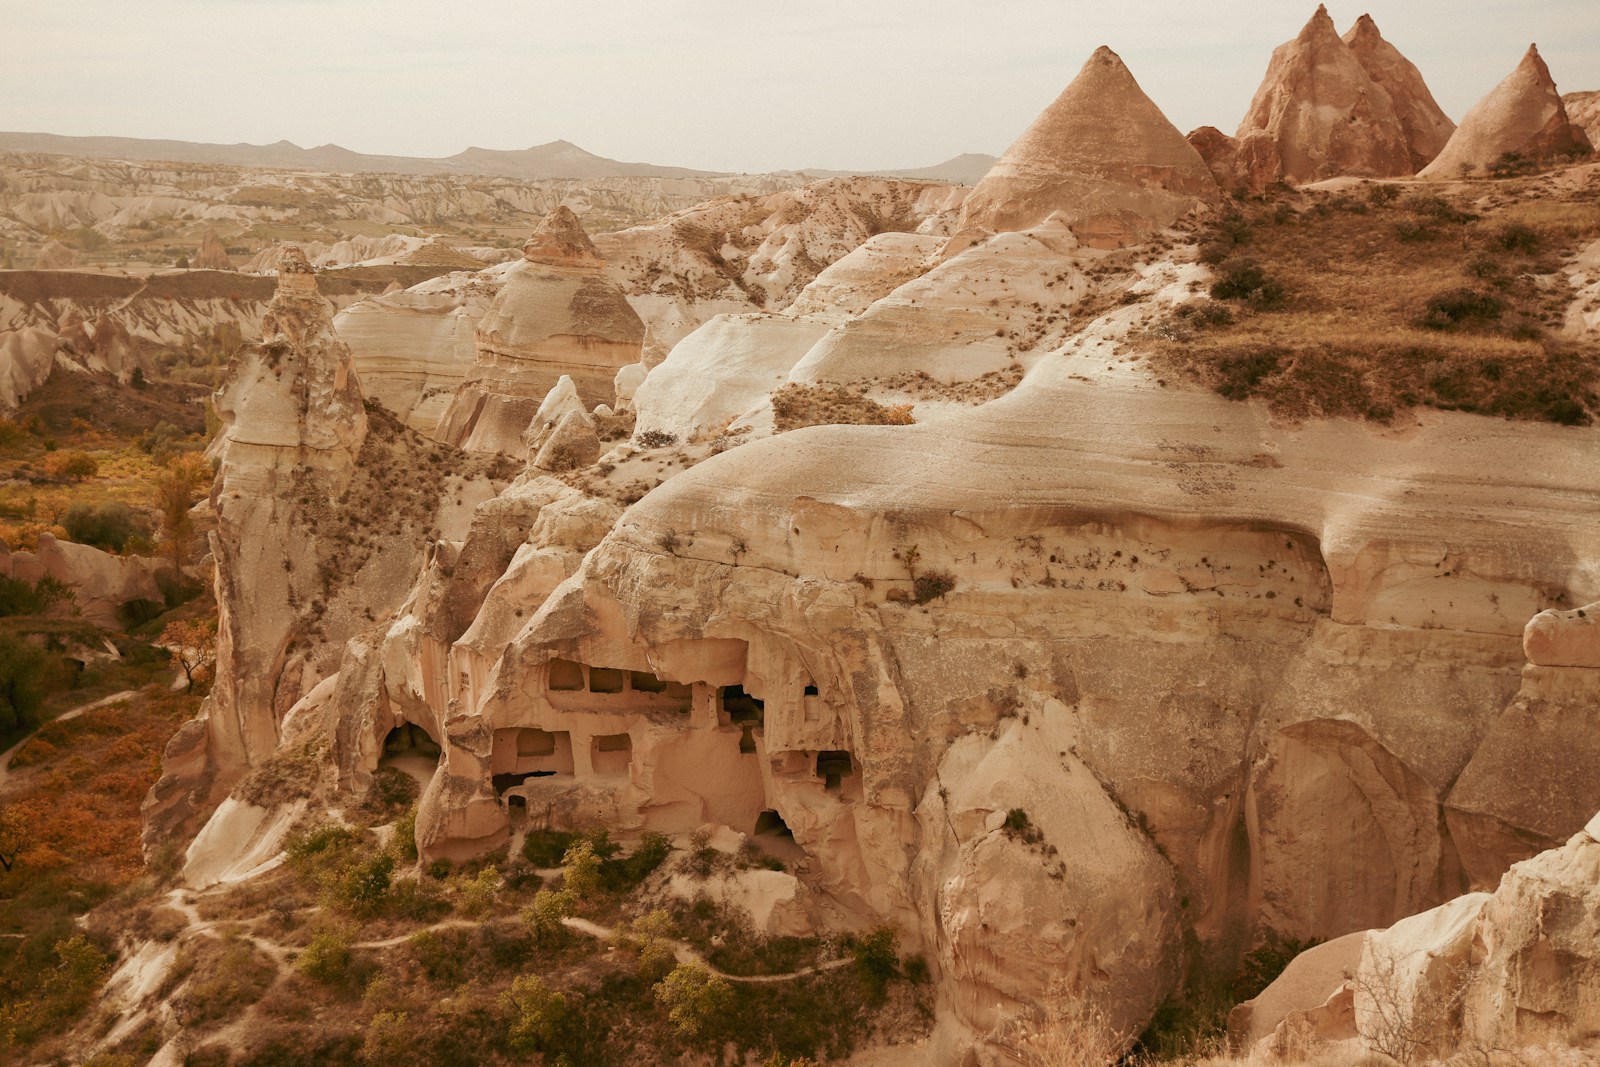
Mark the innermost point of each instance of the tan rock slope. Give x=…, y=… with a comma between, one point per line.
x=55, y=256
x=211, y=255
x=1424, y=123
x=1584, y=110
x=1102, y=157
x=1523, y=115
x=1318, y=112
x=557, y=314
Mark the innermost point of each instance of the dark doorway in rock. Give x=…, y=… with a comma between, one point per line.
x=833, y=767
x=741, y=707
x=747, y=739
x=409, y=739
x=771, y=823
x=565, y=675
x=502, y=782
x=811, y=691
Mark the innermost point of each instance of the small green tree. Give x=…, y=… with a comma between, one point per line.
x=544, y=916
x=582, y=870
x=536, y=1011
x=696, y=1000
x=327, y=958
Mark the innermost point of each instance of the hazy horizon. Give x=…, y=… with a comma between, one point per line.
x=708, y=84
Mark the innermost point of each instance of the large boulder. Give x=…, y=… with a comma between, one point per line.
x=1102, y=157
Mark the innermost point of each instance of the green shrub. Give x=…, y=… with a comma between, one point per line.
x=544, y=848
x=363, y=886
x=1246, y=280
x=695, y=999
x=876, y=961
x=405, y=835
x=1455, y=308
x=327, y=958
x=109, y=525
x=536, y=1012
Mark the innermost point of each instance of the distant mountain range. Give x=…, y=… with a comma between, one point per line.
x=558, y=159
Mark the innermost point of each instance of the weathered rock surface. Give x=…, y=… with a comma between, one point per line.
x=1523, y=115
x=100, y=582
x=1427, y=128
x=555, y=315
x=1102, y=158
x=414, y=346
x=1584, y=110
x=1319, y=113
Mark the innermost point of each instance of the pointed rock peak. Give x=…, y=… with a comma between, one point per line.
x=1522, y=116
x=1425, y=124
x=561, y=241
x=1103, y=156
x=1320, y=25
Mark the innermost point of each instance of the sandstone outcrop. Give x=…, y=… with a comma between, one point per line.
x=414, y=346
x=1522, y=117
x=1584, y=111
x=212, y=254
x=302, y=565
x=556, y=314
x=1427, y=128
x=439, y=254
x=1102, y=158
x=1318, y=112
x=100, y=582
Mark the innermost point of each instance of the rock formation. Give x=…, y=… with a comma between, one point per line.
x=1584, y=110
x=1102, y=158
x=1424, y=123
x=55, y=256
x=1319, y=113
x=413, y=346
x=319, y=509
x=212, y=254
x=556, y=314
x=1522, y=117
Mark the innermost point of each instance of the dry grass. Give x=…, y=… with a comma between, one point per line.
x=795, y=405
x=1362, y=305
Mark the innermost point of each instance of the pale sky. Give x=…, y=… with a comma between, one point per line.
x=737, y=85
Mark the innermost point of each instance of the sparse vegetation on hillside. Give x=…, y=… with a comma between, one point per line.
x=796, y=405
x=1363, y=304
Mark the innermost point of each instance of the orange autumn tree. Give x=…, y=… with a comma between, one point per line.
x=193, y=644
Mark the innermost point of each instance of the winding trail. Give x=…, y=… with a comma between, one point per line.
x=688, y=954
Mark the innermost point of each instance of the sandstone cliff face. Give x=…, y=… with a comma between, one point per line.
x=1522, y=115
x=556, y=314
x=1102, y=158
x=414, y=346
x=1319, y=113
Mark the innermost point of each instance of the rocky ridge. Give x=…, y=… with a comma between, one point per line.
x=953, y=660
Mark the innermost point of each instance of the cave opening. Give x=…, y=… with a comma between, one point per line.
x=833, y=767
x=741, y=707
x=409, y=739
x=611, y=753
x=770, y=823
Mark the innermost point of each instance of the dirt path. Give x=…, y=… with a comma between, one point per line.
x=688, y=954
x=5, y=757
